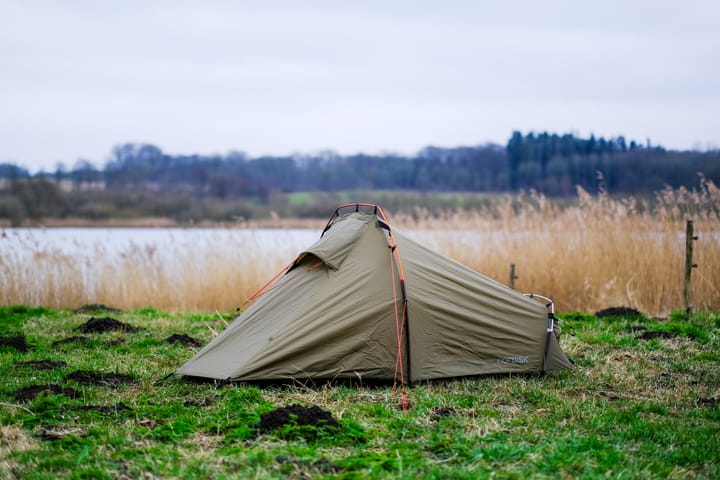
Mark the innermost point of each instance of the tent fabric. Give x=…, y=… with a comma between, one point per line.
x=332, y=316
x=332, y=249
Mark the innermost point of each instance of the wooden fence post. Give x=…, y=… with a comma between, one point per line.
x=513, y=277
x=689, y=265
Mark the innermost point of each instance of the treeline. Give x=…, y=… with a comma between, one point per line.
x=551, y=164
x=142, y=179
x=555, y=165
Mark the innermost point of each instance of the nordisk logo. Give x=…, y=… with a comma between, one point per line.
x=517, y=360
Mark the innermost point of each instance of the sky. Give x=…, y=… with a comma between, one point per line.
x=284, y=77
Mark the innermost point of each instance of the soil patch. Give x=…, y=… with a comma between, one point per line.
x=105, y=324
x=296, y=415
x=618, y=312
x=439, y=412
x=649, y=335
x=88, y=377
x=96, y=307
x=18, y=343
x=43, y=364
x=104, y=409
x=32, y=391
x=183, y=338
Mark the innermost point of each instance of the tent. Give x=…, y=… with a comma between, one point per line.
x=367, y=302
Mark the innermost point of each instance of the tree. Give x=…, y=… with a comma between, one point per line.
x=515, y=156
x=40, y=197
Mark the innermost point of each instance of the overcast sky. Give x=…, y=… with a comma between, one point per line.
x=281, y=77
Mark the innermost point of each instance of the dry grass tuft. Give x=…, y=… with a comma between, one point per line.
x=12, y=439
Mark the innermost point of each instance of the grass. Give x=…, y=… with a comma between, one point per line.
x=630, y=409
x=595, y=253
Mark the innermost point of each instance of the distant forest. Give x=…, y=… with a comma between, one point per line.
x=138, y=177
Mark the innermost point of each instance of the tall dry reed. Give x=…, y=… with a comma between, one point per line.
x=216, y=274
x=597, y=253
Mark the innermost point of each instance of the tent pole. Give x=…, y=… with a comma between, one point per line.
x=407, y=333
x=407, y=350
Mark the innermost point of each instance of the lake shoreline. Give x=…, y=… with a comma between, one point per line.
x=163, y=222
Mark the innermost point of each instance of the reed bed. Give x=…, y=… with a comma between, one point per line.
x=178, y=275
x=597, y=253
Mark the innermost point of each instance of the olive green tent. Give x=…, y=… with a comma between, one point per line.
x=367, y=302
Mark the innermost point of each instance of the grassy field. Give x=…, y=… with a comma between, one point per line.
x=642, y=402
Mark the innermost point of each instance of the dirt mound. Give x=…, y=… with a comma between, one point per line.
x=18, y=343
x=646, y=334
x=183, y=338
x=96, y=307
x=104, y=409
x=105, y=324
x=649, y=335
x=73, y=339
x=296, y=415
x=710, y=401
x=88, y=377
x=42, y=364
x=32, y=391
x=618, y=312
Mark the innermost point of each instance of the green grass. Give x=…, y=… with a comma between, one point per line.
x=630, y=409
